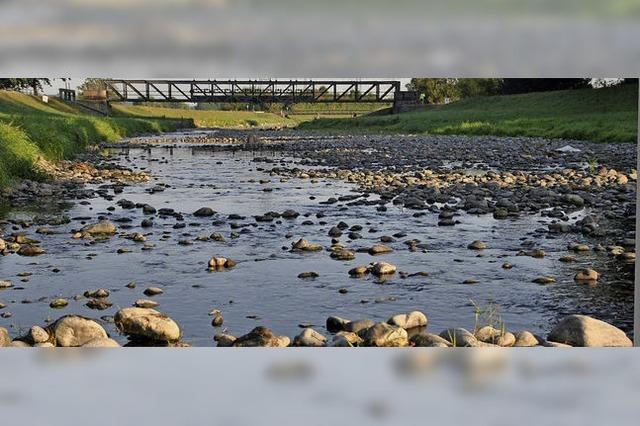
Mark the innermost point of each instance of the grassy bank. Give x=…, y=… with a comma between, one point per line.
x=206, y=118
x=31, y=129
x=602, y=115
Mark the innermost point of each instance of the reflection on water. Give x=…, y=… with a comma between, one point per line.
x=263, y=289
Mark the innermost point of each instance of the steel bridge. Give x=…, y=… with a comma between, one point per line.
x=257, y=91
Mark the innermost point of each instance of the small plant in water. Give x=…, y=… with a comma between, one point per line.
x=488, y=315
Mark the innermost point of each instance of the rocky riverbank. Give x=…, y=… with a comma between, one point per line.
x=584, y=192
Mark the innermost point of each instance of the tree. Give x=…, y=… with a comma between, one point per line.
x=473, y=87
x=526, y=85
x=435, y=89
x=34, y=84
x=92, y=84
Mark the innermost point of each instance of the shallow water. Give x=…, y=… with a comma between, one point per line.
x=265, y=284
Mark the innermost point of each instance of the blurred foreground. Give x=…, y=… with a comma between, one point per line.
x=199, y=386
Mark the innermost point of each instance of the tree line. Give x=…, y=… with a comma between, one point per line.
x=34, y=84
x=441, y=90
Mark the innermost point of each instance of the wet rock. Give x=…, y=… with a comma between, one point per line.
x=507, y=265
x=335, y=232
x=385, y=335
x=309, y=337
x=74, y=331
x=218, y=319
x=335, y=324
x=343, y=255
x=345, y=339
x=224, y=340
x=153, y=291
x=145, y=303
x=586, y=275
x=407, y=321
x=204, y=212
x=97, y=294
x=261, y=337
x=221, y=263
x=58, y=303
x=359, y=271
x=99, y=304
x=147, y=324
x=379, y=249
x=579, y=247
x=30, y=250
x=358, y=325
x=581, y=330
x=488, y=334
x=383, y=268
x=3, y=245
x=101, y=342
x=217, y=237
x=308, y=275
x=104, y=227
x=477, y=245
x=429, y=340
x=544, y=280
x=575, y=200
x=304, y=245
x=459, y=337
x=290, y=214
x=5, y=284
x=525, y=339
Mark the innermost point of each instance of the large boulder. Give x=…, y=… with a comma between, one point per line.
x=526, y=339
x=385, y=335
x=581, y=330
x=74, y=330
x=335, y=324
x=429, y=340
x=346, y=339
x=104, y=227
x=407, y=321
x=147, y=324
x=261, y=336
x=309, y=337
x=383, y=268
x=5, y=339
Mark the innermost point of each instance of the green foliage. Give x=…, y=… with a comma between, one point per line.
x=31, y=129
x=527, y=85
x=602, y=115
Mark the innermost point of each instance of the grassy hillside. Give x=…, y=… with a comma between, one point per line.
x=602, y=115
x=206, y=118
x=30, y=128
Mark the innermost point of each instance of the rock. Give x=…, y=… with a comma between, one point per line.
x=3, y=245
x=459, y=337
x=383, y=268
x=525, y=339
x=204, y=212
x=74, y=331
x=358, y=325
x=262, y=337
x=507, y=265
x=97, y=294
x=346, y=339
x=579, y=247
x=218, y=319
x=30, y=250
x=335, y=232
x=104, y=227
x=44, y=345
x=290, y=214
x=38, y=334
x=58, y=303
x=221, y=263
x=379, y=249
x=309, y=337
x=99, y=304
x=359, y=271
x=224, y=340
x=385, y=335
x=5, y=339
x=343, y=255
x=335, y=324
x=19, y=344
x=407, y=321
x=574, y=199
x=101, y=342
x=586, y=275
x=147, y=324
x=544, y=280
x=5, y=284
x=494, y=336
x=145, y=303
x=153, y=291
x=307, y=275
x=304, y=245
x=581, y=330
x=429, y=340
x=477, y=245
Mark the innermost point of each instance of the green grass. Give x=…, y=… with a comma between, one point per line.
x=599, y=115
x=31, y=129
x=207, y=118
